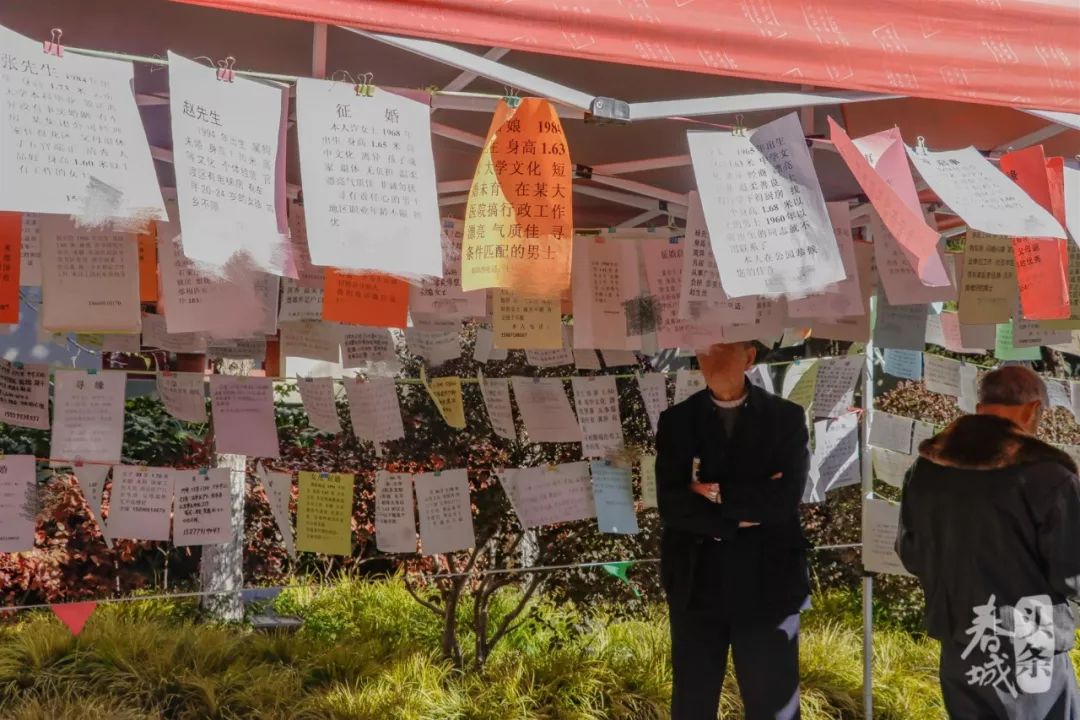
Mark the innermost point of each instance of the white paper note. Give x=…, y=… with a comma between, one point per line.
x=203, y=512
x=618, y=358
x=891, y=431
x=687, y=382
x=485, y=350
x=880, y=520
x=18, y=503
x=369, y=174
x=308, y=275
x=436, y=348
x=545, y=410
x=374, y=409
x=196, y=300
x=941, y=375
x=91, y=480
x=278, y=487
x=154, y=335
x=597, y=402
x=313, y=340
x=606, y=278
x=613, y=494
x=901, y=327
x=835, y=462
x=317, y=395
x=90, y=279
x=843, y=298
x=585, y=359
x=664, y=260
x=969, y=388
x=653, y=389
x=395, y=513
x=551, y=494
x=1058, y=392
x=743, y=207
x=237, y=349
x=363, y=345
x=648, y=481
x=982, y=195
x=299, y=302
x=183, y=395
x=24, y=395
x=141, y=501
x=891, y=467
x=243, y=412
x=836, y=378
x=230, y=164
x=922, y=431
x=88, y=416
x=444, y=296
x=446, y=523
x=496, y=394
x=71, y=139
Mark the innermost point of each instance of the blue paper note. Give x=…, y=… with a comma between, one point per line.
x=905, y=364
x=614, y=497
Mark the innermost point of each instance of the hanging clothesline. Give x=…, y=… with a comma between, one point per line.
x=428, y=577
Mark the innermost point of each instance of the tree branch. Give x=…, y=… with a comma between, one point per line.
x=416, y=596
x=503, y=628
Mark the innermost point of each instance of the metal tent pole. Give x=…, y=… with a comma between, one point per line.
x=868, y=578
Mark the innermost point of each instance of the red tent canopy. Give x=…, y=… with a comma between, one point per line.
x=1019, y=53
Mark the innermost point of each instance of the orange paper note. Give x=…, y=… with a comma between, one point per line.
x=10, y=238
x=519, y=221
x=1042, y=264
x=148, y=264
x=374, y=300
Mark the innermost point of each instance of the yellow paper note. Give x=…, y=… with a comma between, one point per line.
x=519, y=220
x=446, y=393
x=521, y=323
x=324, y=513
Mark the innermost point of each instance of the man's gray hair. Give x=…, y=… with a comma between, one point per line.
x=1012, y=385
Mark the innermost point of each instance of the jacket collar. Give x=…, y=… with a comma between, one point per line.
x=987, y=442
x=705, y=406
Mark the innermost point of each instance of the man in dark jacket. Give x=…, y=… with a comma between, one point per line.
x=732, y=462
x=990, y=525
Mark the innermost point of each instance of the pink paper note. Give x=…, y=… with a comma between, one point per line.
x=887, y=181
x=243, y=414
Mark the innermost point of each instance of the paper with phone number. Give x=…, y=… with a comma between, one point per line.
x=203, y=512
x=230, y=156
x=445, y=507
x=324, y=513
x=18, y=503
x=496, y=394
x=24, y=395
x=395, y=513
x=835, y=462
x=90, y=279
x=988, y=281
x=519, y=220
x=98, y=163
x=446, y=394
x=91, y=479
x=663, y=259
x=141, y=501
x=88, y=416
x=835, y=386
x=367, y=166
x=444, y=296
x=597, y=401
x=880, y=521
x=372, y=300
x=243, y=414
x=520, y=322
x=766, y=215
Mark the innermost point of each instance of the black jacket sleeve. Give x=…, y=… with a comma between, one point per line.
x=775, y=501
x=1055, y=505
x=907, y=546
x=680, y=507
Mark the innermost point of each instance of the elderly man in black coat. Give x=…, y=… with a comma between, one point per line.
x=732, y=462
x=990, y=525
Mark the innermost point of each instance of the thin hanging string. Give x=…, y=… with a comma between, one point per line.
x=323, y=587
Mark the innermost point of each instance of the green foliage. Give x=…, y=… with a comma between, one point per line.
x=147, y=660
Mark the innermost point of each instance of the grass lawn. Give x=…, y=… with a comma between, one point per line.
x=367, y=652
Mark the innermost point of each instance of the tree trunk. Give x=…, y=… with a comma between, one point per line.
x=222, y=566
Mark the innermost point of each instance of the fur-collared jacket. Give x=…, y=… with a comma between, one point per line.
x=991, y=514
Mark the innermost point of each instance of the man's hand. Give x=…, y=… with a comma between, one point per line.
x=709, y=491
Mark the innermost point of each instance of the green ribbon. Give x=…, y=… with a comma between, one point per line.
x=619, y=570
